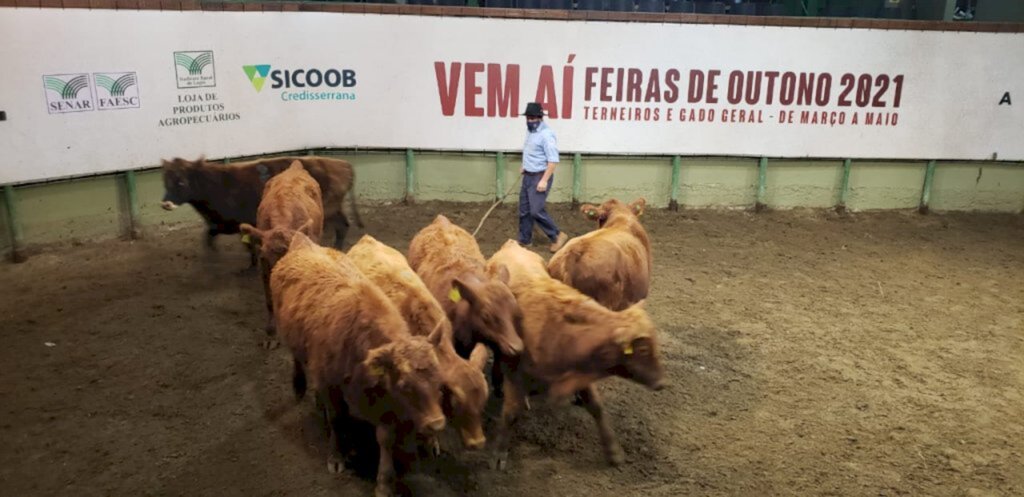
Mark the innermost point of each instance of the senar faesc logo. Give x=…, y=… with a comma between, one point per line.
x=116, y=90
x=68, y=93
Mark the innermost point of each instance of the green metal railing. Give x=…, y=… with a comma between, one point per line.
x=14, y=225
x=16, y=236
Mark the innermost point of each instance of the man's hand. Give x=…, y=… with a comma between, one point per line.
x=543, y=185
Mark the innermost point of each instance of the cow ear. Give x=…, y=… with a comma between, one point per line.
x=456, y=393
x=641, y=346
x=436, y=335
x=248, y=229
x=638, y=206
x=300, y=241
x=307, y=227
x=381, y=366
x=478, y=358
x=591, y=211
x=461, y=289
x=501, y=272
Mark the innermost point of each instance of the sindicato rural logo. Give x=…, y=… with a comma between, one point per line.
x=68, y=93
x=195, y=69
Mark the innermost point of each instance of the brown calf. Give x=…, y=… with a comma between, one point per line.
x=291, y=202
x=612, y=264
x=465, y=389
x=571, y=342
x=226, y=195
x=481, y=307
x=352, y=344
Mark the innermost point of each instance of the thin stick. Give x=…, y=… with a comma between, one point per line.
x=500, y=200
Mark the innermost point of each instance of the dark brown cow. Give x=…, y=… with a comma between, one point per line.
x=571, y=342
x=352, y=344
x=613, y=263
x=291, y=202
x=465, y=387
x=226, y=195
x=480, y=307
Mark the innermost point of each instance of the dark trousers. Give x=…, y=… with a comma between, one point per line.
x=532, y=209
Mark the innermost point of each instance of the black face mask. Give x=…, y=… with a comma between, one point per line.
x=532, y=126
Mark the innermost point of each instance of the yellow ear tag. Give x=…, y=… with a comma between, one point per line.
x=454, y=295
x=591, y=213
x=246, y=239
x=628, y=350
x=375, y=371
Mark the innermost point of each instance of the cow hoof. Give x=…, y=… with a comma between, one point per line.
x=616, y=456
x=500, y=461
x=435, y=447
x=335, y=465
x=383, y=491
x=271, y=344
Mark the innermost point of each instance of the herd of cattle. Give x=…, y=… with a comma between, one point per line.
x=401, y=342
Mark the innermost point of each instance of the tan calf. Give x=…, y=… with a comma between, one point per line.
x=613, y=263
x=465, y=389
x=352, y=344
x=570, y=342
x=291, y=202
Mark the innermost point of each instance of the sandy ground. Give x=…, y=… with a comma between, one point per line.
x=809, y=354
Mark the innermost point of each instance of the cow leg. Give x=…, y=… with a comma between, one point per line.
x=298, y=380
x=340, y=223
x=497, y=375
x=254, y=255
x=386, y=475
x=211, y=233
x=592, y=403
x=511, y=408
x=433, y=444
x=334, y=409
x=271, y=328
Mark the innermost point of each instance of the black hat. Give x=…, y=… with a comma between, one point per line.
x=533, y=109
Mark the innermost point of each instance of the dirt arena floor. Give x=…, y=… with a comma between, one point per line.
x=808, y=354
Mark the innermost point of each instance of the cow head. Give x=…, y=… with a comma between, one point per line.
x=273, y=243
x=465, y=395
x=629, y=351
x=410, y=374
x=613, y=208
x=634, y=352
x=490, y=309
x=177, y=175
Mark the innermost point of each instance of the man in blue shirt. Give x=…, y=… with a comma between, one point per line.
x=540, y=156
